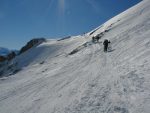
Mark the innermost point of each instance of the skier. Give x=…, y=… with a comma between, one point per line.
x=93, y=39
x=105, y=43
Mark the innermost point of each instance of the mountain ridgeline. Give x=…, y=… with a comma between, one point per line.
x=32, y=43
x=7, y=55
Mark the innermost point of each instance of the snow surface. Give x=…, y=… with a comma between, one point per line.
x=88, y=81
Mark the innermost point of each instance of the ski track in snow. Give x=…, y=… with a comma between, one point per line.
x=89, y=81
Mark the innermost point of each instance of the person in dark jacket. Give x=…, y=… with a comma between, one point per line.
x=105, y=43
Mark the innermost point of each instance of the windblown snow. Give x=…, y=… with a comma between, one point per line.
x=74, y=75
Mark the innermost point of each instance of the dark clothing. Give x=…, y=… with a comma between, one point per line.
x=105, y=43
x=93, y=39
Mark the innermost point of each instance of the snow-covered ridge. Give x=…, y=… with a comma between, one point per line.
x=51, y=80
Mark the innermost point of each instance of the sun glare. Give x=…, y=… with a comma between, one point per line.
x=61, y=5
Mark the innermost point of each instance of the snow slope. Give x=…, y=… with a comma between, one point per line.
x=89, y=80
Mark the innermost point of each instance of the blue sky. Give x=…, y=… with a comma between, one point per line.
x=22, y=20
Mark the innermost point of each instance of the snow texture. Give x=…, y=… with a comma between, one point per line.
x=51, y=80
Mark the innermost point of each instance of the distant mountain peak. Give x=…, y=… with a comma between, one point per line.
x=4, y=51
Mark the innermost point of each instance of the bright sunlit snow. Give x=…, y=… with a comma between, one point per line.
x=51, y=80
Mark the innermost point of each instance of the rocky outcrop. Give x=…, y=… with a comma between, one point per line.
x=3, y=58
x=64, y=38
x=32, y=43
x=8, y=57
x=11, y=55
x=6, y=54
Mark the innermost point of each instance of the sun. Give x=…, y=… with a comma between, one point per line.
x=61, y=4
